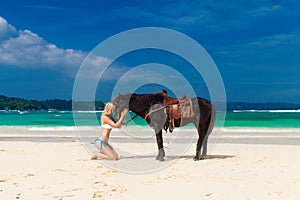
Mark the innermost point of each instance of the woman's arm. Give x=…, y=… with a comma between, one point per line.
x=118, y=124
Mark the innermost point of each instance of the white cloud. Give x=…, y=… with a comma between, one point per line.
x=276, y=40
x=263, y=10
x=48, y=8
x=277, y=53
x=258, y=45
x=6, y=30
x=23, y=48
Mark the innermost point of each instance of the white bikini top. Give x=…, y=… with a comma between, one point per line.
x=107, y=126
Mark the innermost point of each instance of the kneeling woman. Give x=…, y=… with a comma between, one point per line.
x=107, y=123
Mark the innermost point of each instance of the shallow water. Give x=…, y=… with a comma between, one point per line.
x=239, y=118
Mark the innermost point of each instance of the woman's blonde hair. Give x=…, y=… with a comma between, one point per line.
x=109, y=108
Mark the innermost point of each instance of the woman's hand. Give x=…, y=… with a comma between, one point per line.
x=125, y=112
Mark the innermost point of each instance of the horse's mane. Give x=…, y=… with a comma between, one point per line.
x=146, y=100
x=141, y=102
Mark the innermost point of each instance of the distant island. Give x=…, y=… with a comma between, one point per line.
x=12, y=103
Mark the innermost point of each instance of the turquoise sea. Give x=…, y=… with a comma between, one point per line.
x=236, y=118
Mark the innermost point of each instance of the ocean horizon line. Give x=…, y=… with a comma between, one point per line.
x=231, y=105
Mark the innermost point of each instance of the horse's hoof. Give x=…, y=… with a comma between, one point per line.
x=160, y=158
x=161, y=155
x=197, y=158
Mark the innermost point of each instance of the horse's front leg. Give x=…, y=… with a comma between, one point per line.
x=161, y=151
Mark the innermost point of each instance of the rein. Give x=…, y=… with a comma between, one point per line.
x=125, y=123
x=152, y=111
x=146, y=116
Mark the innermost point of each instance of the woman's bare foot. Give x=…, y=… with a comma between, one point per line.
x=94, y=157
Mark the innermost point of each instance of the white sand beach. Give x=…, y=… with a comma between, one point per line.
x=244, y=164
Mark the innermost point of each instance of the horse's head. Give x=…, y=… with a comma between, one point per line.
x=121, y=102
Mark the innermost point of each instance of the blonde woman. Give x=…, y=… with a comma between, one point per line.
x=107, y=123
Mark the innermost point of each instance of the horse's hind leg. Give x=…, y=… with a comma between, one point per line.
x=200, y=143
x=161, y=151
x=204, y=146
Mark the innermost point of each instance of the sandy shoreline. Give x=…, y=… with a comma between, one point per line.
x=243, y=164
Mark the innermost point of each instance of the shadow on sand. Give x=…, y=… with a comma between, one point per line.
x=186, y=157
x=208, y=157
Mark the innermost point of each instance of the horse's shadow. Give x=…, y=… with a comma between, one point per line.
x=185, y=157
x=207, y=157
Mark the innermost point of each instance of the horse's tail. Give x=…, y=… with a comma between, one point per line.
x=212, y=120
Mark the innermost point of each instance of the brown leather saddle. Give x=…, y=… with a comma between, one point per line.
x=176, y=108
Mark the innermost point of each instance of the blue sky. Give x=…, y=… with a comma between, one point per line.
x=255, y=44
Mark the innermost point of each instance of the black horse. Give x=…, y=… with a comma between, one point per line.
x=151, y=108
